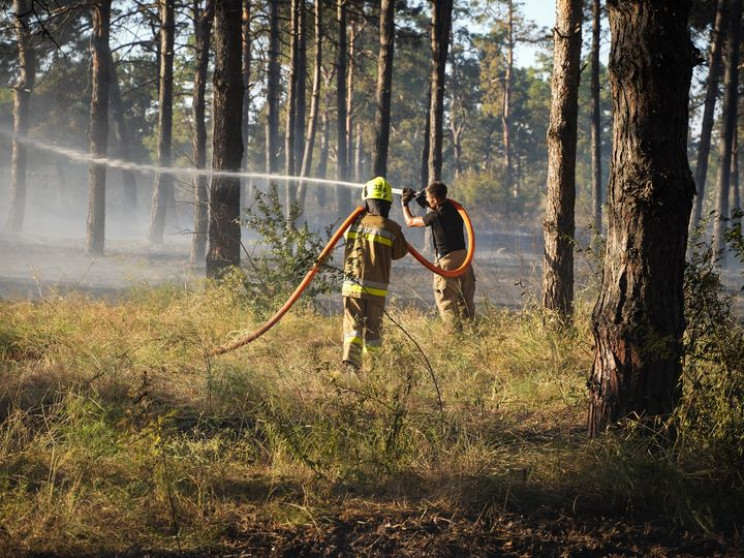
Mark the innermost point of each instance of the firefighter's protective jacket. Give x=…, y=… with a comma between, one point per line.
x=372, y=242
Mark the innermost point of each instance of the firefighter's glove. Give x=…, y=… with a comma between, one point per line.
x=421, y=199
x=407, y=196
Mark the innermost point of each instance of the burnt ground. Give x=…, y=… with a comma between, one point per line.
x=367, y=531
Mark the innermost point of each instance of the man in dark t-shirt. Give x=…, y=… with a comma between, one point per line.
x=454, y=297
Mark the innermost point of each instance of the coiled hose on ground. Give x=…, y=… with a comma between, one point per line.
x=237, y=343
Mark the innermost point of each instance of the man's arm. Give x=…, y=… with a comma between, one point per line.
x=410, y=220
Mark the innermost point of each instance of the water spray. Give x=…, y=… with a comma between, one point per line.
x=88, y=158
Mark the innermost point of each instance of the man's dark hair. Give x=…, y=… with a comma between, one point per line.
x=438, y=190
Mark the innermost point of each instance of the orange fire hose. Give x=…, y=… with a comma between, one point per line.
x=297, y=292
x=227, y=347
x=452, y=273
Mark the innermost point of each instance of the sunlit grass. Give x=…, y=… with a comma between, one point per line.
x=114, y=421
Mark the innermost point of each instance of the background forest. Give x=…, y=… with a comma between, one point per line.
x=474, y=152
x=496, y=113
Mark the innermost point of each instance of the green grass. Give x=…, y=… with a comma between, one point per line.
x=117, y=433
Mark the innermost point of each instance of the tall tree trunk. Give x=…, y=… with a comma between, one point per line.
x=291, y=105
x=301, y=93
x=383, y=88
x=596, y=121
x=638, y=320
x=427, y=144
x=202, y=33
x=728, y=128
x=350, y=75
x=511, y=183
x=307, y=156
x=125, y=140
x=559, y=226
x=706, y=126
x=21, y=102
x=162, y=191
x=272, y=90
x=735, y=182
x=98, y=127
x=246, y=43
x=359, y=155
x=441, y=22
x=342, y=169
x=325, y=139
x=227, y=143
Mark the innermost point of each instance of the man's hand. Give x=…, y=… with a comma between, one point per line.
x=407, y=196
x=421, y=200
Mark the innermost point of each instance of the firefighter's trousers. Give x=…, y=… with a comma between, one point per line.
x=362, y=327
x=455, y=297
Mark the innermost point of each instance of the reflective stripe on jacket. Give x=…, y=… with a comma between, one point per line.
x=372, y=242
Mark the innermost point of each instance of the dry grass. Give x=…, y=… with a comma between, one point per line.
x=117, y=434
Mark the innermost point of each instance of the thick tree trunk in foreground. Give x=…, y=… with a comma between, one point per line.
x=638, y=320
x=98, y=128
x=558, y=226
x=227, y=142
x=21, y=102
x=202, y=33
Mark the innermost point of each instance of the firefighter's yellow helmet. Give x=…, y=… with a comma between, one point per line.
x=378, y=189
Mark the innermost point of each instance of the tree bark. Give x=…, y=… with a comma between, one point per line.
x=359, y=154
x=290, y=128
x=383, y=88
x=342, y=168
x=638, y=319
x=706, y=127
x=441, y=22
x=291, y=104
x=735, y=182
x=559, y=226
x=21, y=103
x=596, y=138
x=427, y=144
x=325, y=141
x=246, y=38
x=98, y=128
x=227, y=142
x=350, y=77
x=728, y=129
x=511, y=184
x=296, y=102
x=272, y=91
x=202, y=32
x=162, y=190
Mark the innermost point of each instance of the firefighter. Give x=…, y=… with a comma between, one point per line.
x=372, y=242
x=454, y=297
